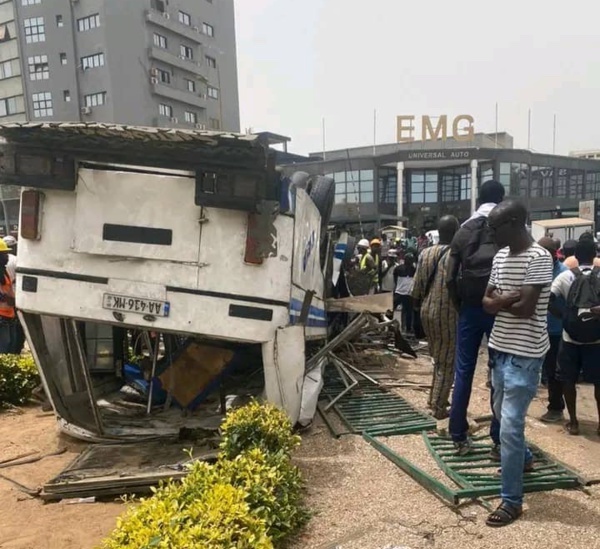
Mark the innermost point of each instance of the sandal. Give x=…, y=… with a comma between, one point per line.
x=504, y=515
x=573, y=428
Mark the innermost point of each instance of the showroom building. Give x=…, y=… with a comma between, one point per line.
x=438, y=178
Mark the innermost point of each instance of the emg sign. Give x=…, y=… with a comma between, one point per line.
x=462, y=128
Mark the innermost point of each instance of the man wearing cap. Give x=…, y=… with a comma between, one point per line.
x=7, y=303
x=387, y=271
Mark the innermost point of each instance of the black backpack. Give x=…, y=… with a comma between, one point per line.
x=581, y=325
x=476, y=261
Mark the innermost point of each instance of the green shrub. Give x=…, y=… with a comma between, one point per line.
x=18, y=378
x=273, y=488
x=249, y=501
x=219, y=518
x=257, y=425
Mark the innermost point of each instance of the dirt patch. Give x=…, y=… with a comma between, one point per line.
x=27, y=523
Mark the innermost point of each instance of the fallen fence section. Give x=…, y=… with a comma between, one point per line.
x=366, y=407
x=476, y=474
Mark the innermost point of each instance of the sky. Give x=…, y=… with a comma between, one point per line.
x=302, y=61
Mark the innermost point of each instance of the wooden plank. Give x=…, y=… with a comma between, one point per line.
x=376, y=304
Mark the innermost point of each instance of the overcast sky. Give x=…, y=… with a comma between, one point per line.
x=301, y=61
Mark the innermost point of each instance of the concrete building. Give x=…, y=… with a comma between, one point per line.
x=593, y=154
x=145, y=62
x=439, y=177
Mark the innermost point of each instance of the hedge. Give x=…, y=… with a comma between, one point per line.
x=250, y=498
x=18, y=378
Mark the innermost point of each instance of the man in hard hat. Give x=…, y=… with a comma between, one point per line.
x=368, y=262
x=7, y=302
x=18, y=341
x=11, y=267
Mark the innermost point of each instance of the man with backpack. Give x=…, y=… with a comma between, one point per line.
x=471, y=255
x=580, y=347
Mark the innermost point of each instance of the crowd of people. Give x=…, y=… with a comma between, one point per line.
x=536, y=303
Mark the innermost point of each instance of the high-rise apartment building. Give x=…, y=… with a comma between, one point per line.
x=145, y=62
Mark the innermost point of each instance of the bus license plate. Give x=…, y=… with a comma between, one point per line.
x=136, y=305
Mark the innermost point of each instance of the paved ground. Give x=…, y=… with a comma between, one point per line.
x=360, y=499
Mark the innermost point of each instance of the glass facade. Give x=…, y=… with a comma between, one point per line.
x=388, y=186
x=353, y=187
x=547, y=185
x=423, y=186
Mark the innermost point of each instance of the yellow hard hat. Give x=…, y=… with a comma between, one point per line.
x=376, y=242
x=3, y=246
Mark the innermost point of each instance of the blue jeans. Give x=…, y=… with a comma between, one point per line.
x=473, y=323
x=515, y=380
x=7, y=336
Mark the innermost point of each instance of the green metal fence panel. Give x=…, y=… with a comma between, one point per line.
x=371, y=408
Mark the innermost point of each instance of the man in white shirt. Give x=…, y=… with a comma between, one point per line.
x=578, y=354
x=518, y=293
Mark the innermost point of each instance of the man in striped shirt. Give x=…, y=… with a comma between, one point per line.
x=518, y=294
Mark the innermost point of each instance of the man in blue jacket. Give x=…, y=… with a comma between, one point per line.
x=556, y=402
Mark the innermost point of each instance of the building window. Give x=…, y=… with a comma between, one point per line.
x=352, y=187
x=34, y=30
x=214, y=123
x=575, y=185
x=451, y=186
x=163, y=76
x=160, y=41
x=207, y=29
x=186, y=52
x=67, y=96
x=184, y=18
x=8, y=106
x=165, y=110
x=30, y=2
x=388, y=186
x=92, y=61
x=94, y=99
x=38, y=67
x=63, y=58
x=88, y=23
x=6, y=70
x=505, y=176
x=158, y=5
x=190, y=85
x=213, y=92
x=191, y=117
x=592, y=185
x=59, y=21
x=423, y=186
x=42, y=104
x=211, y=62
x=542, y=182
x=561, y=183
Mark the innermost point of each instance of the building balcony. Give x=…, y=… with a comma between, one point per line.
x=183, y=96
x=165, y=21
x=188, y=65
x=166, y=122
